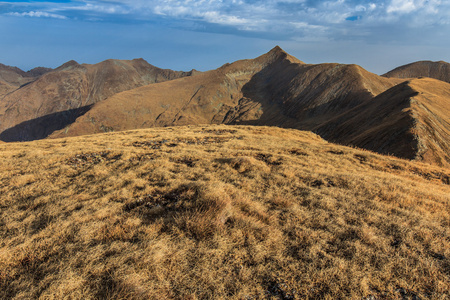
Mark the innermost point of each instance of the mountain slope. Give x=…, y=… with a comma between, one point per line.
x=273, y=89
x=219, y=212
x=410, y=120
x=438, y=70
x=6, y=88
x=56, y=98
x=305, y=95
x=204, y=98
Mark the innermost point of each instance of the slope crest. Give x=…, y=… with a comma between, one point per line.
x=13, y=75
x=438, y=70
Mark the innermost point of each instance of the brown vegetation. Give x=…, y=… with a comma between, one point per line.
x=211, y=212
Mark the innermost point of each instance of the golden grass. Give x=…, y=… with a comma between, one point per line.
x=214, y=212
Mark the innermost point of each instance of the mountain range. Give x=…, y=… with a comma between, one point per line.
x=405, y=112
x=34, y=104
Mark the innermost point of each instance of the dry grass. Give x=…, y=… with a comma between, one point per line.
x=219, y=212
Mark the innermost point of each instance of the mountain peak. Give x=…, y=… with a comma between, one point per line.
x=12, y=69
x=276, y=53
x=38, y=71
x=277, y=50
x=70, y=63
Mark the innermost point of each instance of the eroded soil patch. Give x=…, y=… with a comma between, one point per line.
x=156, y=145
x=93, y=158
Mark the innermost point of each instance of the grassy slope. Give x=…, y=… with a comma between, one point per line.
x=5, y=88
x=219, y=212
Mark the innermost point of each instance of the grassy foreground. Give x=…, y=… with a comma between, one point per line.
x=215, y=212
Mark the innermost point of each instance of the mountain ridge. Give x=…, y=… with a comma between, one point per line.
x=254, y=83
x=343, y=103
x=434, y=69
x=273, y=89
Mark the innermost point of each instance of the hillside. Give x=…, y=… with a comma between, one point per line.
x=434, y=69
x=410, y=120
x=214, y=212
x=57, y=98
x=273, y=89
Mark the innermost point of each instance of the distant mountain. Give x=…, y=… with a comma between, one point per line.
x=13, y=76
x=273, y=89
x=57, y=98
x=410, y=120
x=38, y=71
x=302, y=96
x=16, y=77
x=438, y=70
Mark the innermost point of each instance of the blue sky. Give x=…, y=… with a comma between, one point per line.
x=204, y=34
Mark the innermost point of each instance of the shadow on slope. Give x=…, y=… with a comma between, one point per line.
x=40, y=128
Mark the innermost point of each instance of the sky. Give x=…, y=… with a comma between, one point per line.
x=379, y=35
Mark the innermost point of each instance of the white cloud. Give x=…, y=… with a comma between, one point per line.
x=401, y=6
x=37, y=14
x=214, y=12
x=100, y=8
x=218, y=18
x=293, y=18
x=409, y=6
